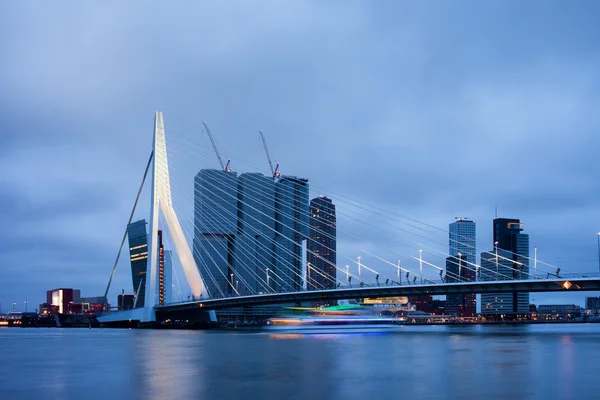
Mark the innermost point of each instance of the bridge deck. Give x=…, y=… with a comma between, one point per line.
x=538, y=285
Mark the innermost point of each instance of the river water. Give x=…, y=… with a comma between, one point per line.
x=410, y=362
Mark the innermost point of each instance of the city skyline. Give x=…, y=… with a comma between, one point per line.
x=77, y=132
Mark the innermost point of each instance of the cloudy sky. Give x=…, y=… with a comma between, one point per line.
x=427, y=109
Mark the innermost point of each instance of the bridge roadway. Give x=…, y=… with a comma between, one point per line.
x=575, y=284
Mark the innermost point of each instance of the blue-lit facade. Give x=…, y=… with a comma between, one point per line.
x=215, y=228
x=254, y=246
x=248, y=231
x=461, y=266
x=291, y=226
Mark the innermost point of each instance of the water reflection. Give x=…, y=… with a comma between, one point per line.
x=410, y=362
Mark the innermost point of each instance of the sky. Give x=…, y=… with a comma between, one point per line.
x=429, y=110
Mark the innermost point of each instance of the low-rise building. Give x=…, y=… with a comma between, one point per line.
x=559, y=311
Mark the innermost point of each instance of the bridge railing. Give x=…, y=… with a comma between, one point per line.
x=551, y=277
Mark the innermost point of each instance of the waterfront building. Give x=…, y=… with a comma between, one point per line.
x=461, y=266
x=291, y=227
x=93, y=304
x=559, y=311
x=168, y=277
x=508, y=260
x=457, y=270
x=248, y=231
x=161, y=268
x=462, y=239
x=321, y=245
x=125, y=301
x=255, y=246
x=592, y=303
x=64, y=299
x=215, y=228
x=138, y=256
x=421, y=302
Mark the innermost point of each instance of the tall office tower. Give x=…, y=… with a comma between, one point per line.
x=291, y=226
x=215, y=228
x=507, y=261
x=457, y=270
x=322, y=244
x=462, y=239
x=168, y=277
x=254, y=244
x=138, y=255
x=161, y=269
x=461, y=265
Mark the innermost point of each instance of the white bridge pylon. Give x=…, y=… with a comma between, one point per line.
x=161, y=201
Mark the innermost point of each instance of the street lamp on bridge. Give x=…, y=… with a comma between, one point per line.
x=496, y=247
x=421, y=264
x=267, y=270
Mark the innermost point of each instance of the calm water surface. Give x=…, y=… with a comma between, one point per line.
x=475, y=362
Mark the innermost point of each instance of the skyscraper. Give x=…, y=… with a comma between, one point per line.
x=322, y=244
x=215, y=228
x=248, y=231
x=254, y=247
x=457, y=270
x=508, y=260
x=462, y=239
x=291, y=226
x=461, y=265
x=138, y=255
x=168, y=277
x=161, y=268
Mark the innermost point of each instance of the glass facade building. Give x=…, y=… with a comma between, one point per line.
x=457, y=270
x=138, y=256
x=291, y=226
x=321, y=245
x=254, y=247
x=215, y=228
x=461, y=266
x=507, y=261
x=248, y=231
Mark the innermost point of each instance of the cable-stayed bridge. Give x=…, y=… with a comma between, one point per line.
x=253, y=240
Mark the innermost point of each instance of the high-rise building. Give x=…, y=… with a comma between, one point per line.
x=322, y=244
x=508, y=260
x=168, y=277
x=161, y=269
x=248, y=231
x=138, y=255
x=291, y=226
x=215, y=228
x=592, y=303
x=457, y=270
x=254, y=247
x=421, y=302
x=461, y=266
x=462, y=239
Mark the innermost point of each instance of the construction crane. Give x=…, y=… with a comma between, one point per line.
x=275, y=171
x=214, y=145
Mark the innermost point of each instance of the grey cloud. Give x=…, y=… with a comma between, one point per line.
x=427, y=111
